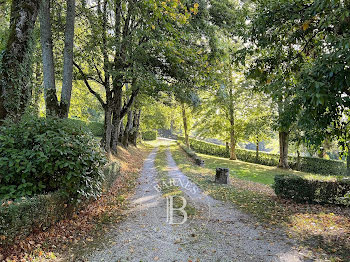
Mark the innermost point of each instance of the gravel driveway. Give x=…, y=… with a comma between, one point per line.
x=219, y=232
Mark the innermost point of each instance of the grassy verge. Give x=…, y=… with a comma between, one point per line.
x=324, y=229
x=167, y=188
x=255, y=172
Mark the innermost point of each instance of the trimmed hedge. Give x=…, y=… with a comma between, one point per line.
x=301, y=189
x=192, y=154
x=149, y=135
x=307, y=164
x=22, y=216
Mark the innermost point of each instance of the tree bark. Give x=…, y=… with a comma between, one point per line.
x=136, y=127
x=348, y=161
x=184, y=118
x=283, y=141
x=232, y=128
x=121, y=131
x=118, y=94
x=14, y=87
x=51, y=101
x=106, y=140
x=257, y=149
x=68, y=60
x=128, y=128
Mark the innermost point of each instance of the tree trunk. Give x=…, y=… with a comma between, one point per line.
x=184, y=118
x=121, y=131
x=283, y=141
x=51, y=101
x=68, y=60
x=232, y=128
x=136, y=126
x=298, y=159
x=15, y=70
x=348, y=161
x=127, y=130
x=37, y=91
x=106, y=141
x=257, y=149
x=118, y=94
x=233, y=147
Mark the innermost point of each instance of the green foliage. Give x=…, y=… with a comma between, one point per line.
x=149, y=135
x=307, y=164
x=306, y=190
x=39, y=155
x=96, y=128
x=300, y=53
x=22, y=215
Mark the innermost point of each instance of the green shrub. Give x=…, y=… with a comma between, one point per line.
x=301, y=189
x=321, y=166
x=149, y=135
x=307, y=164
x=39, y=155
x=96, y=128
x=20, y=217
x=25, y=214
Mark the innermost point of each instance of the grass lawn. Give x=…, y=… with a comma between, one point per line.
x=323, y=228
x=253, y=172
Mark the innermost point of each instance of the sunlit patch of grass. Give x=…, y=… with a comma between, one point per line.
x=323, y=229
x=255, y=172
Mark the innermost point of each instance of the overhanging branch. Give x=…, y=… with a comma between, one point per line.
x=85, y=78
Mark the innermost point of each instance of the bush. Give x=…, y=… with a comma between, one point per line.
x=307, y=164
x=39, y=155
x=22, y=216
x=301, y=189
x=96, y=128
x=26, y=214
x=149, y=135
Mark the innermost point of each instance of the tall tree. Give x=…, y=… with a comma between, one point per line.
x=53, y=106
x=15, y=62
x=137, y=48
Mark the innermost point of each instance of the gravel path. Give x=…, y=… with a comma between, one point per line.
x=218, y=232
